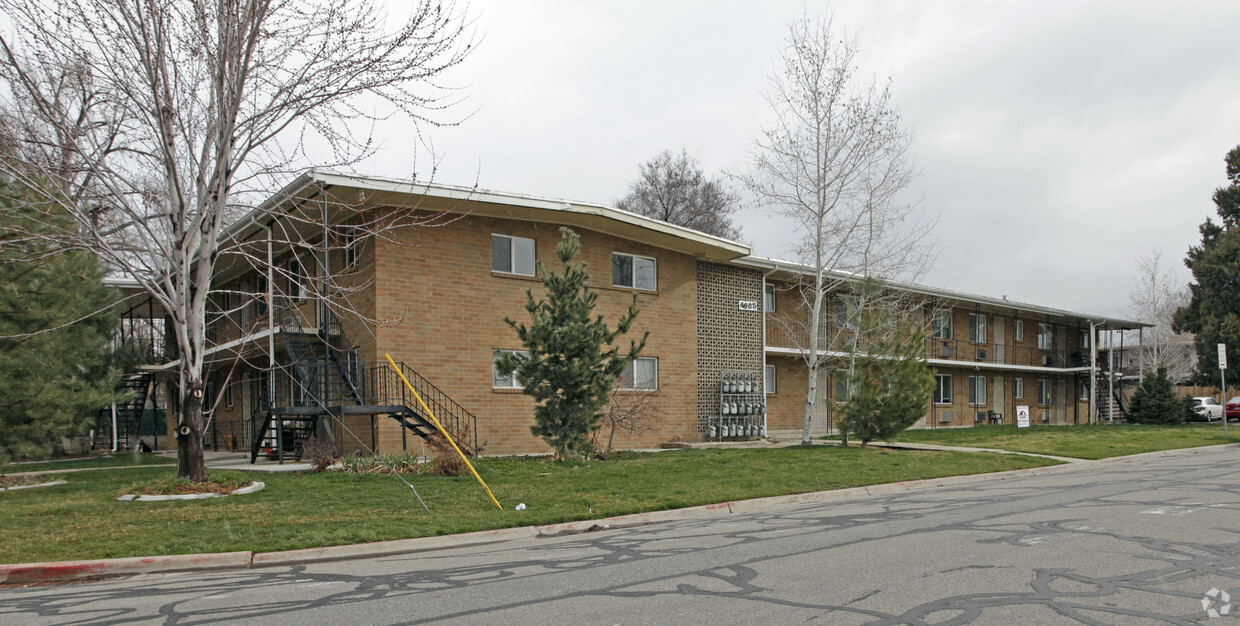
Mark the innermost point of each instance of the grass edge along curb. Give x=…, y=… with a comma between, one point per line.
x=19, y=573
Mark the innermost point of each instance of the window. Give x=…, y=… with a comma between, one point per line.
x=629, y=270
x=640, y=374
x=977, y=328
x=353, y=366
x=769, y=378
x=504, y=380
x=260, y=297
x=1018, y=330
x=352, y=248
x=942, y=388
x=1018, y=388
x=297, y=279
x=769, y=297
x=1044, y=392
x=846, y=313
x=1044, y=336
x=942, y=324
x=843, y=391
x=1083, y=394
x=1084, y=339
x=977, y=390
x=228, y=394
x=512, y=255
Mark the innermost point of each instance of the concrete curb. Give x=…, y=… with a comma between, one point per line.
x=70, y=570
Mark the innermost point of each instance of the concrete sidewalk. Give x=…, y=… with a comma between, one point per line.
x=25, y=573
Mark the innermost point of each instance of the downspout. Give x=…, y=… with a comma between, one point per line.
x=1140, y=355
x=1110, y=376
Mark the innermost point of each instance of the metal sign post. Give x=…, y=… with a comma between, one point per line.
x=1222, y=374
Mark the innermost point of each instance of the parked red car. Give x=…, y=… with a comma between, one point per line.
x=1233, y=409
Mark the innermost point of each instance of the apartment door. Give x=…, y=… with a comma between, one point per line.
x=822, y=405
x=1000, y=332
x=998, y=397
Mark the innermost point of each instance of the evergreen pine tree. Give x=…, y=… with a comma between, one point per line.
x=570, y=365
x=890, y=383
x=1155, y=401
x=56, y=325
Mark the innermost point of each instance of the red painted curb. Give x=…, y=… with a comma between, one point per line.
x=70, y=570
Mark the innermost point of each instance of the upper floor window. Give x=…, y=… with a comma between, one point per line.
x=512, y=255
x=977, y=328
x=352, y=248
x=1084, y=339
x=942, y=325
x=640, y=374
x=298, y=280
x=1018, y=330
x=630, y=270
x=769, y=297
x=1044, y=336
x=846, y=312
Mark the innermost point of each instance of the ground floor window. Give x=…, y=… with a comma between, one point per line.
x=504, y=380
x=1044, y=392
x=1084, y=391
x=843, y=390
x=769, y=378
x=1018, y=388
x=641, y=374
x=942, y=388
x=977, y=390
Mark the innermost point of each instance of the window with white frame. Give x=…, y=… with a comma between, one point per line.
x=298, y=280
x=1044, y=392
x=942, y=388
x=1083, y=393
x=769, y=378
x=769, y=297
x=512, y=255
x=1044, y=336
x=1018, y=330
x=846, y=312
x=843, y=391
x=228, y=394
x=504, y=379
x=640, y=374
x=977, y=328
x=977, y=390
x=942, y=325
x=352, y=247
x=1018, y=388
x=1084, y=345
x=635, y=272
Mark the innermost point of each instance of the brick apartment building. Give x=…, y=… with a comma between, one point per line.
x=717, y=361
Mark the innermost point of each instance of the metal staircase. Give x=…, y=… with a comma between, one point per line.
x=136, y=387
x=319, y=386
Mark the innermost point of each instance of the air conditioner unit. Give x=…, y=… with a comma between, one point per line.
x=947, y=417
x=981, y=417
x=980, y=354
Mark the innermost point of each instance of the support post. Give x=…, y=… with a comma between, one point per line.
x=1093, y=373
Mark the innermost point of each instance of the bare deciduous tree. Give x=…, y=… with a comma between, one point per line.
x=146, y=119
x=835, y=160
x=1155, y=297
x=673, y=188
x=629, y=412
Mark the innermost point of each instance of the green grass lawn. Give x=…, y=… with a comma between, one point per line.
x=119, y=459
x=1083, y=442
x=81, y=520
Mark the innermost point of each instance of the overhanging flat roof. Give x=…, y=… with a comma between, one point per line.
x=791, y=267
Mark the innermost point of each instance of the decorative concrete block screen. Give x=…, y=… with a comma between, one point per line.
x=729, y=338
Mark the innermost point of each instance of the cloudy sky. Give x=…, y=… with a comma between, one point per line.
x=1058, y=140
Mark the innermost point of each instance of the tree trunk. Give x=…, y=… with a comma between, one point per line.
x=190, y=462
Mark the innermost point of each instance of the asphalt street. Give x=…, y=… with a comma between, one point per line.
x=1152, y=539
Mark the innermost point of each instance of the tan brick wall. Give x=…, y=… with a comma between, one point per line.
x=446, y=311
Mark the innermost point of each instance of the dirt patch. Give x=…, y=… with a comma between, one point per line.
x=181, y=487
x=7, y=481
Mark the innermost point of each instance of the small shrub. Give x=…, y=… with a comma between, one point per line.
x=444, y=460
x=1155, y=402
x=321, y=452
x=404, y=463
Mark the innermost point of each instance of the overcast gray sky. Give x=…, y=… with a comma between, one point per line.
x=1058, y=140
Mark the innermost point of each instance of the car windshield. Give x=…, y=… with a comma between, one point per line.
x=1235, y=400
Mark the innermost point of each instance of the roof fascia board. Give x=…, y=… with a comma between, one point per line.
x=799, y=268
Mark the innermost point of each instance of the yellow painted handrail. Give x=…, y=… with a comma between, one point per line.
x=443, y=432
